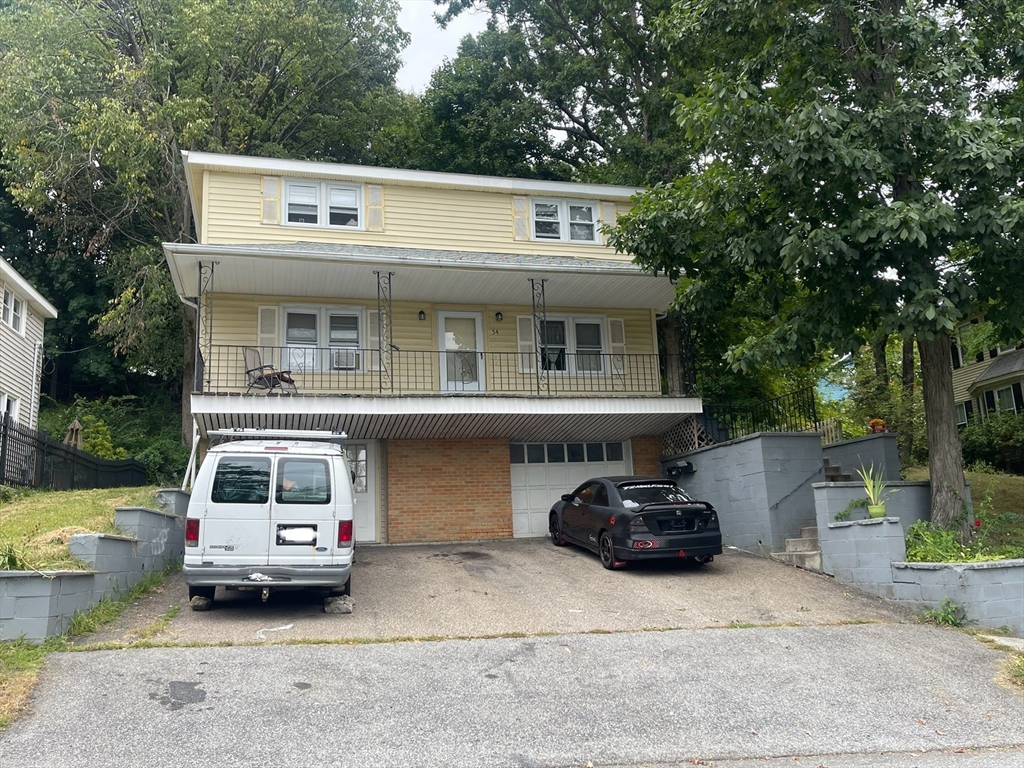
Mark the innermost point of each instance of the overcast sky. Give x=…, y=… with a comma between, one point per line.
x=430, y=45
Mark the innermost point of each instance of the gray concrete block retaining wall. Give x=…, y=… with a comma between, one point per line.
x=871, y=554
x=761, y=486
x=880, y=450
x=34, y=605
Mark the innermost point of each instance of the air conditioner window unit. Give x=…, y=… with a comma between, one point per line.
x=344, y=359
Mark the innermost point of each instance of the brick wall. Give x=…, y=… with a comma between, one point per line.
x=647, y=456
x=448, y=490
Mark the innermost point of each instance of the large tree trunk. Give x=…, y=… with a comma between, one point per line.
x=944, y=457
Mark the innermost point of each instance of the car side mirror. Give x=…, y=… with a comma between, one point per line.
x=568, y=498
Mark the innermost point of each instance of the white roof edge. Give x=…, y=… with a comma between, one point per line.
x=193, y=249
x=455, y=405
x=368, y=173
x=24, y=287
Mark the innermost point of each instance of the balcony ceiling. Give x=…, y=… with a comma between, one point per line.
x=520, y=419
x=455, y=277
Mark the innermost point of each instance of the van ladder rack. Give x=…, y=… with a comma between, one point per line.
x=243, y=433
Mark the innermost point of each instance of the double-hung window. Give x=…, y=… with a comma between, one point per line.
x=565, y=220
x=323, y=204
x=1004, y=400
x=8, y=406
x=571, y=344
x=323, y=338
x=13, y=310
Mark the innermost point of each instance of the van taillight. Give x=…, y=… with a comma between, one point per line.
x=192, y=532
x=344, y=533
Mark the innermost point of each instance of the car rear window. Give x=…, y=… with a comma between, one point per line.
x=241, y=480
x=652, y=493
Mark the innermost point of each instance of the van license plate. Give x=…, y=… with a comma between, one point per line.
x=296, y=535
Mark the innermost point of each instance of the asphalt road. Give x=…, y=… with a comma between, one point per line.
x=848, y=696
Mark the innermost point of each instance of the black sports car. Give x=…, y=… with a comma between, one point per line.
x=636, y=518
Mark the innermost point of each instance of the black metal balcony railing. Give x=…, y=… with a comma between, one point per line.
x=362, y=371
x=794, y=412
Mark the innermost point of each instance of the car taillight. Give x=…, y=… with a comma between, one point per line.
x=638, y=524
x=192, y=532
x=713, y=522
x=345, y=533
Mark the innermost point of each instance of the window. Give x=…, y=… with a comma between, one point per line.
x=1004, y=400
x=357, y=463
x=303, y=481
x=8, y=406
x=322, y=203
x=307, y=330
x=13, y=310
x=565, y=221
x=961, y=414
x=241, y=480
x=559, y=453
x=652, y=493
x=575, y=345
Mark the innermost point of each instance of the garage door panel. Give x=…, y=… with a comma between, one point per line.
x=541, y=474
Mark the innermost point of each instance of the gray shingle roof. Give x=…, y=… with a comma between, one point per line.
x=1004, y=365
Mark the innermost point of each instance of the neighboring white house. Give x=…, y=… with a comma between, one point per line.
x=24, y=311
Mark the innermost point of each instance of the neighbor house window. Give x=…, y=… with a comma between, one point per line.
x=8, y=406
x=565, y=220
x=1004, y=400
x=961, y=414
x=322, y=203
x=13, y=310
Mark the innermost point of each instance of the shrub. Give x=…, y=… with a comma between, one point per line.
x=993, y=441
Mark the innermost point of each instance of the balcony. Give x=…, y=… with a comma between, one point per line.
x=343, y=371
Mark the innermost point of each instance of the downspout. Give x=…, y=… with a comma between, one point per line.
x=36, y=384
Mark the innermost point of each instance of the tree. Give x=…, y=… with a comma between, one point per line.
x=597, y=76
x=859, y=171
x=98, y=99
x=476, y=118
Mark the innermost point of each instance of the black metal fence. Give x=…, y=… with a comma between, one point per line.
x=795, y=412
x=34, y=460
x=342, y=370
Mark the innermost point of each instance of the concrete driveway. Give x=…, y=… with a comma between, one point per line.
x=524, y=586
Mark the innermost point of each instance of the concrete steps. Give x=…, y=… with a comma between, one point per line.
x=804, y=552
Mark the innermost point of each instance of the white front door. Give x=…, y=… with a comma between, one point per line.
x=461, y=339
x=362, y=459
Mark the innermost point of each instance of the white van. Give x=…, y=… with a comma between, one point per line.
x=270, y=514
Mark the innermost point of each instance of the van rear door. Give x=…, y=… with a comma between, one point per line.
x=302, y=525
x=234, y=529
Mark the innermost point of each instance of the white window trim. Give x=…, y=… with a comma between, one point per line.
x=7, y=315
x=1013, y=405
x=322, y=204
x=323, y=313
x=563, y=220
x=570, y=344
x=9, y=401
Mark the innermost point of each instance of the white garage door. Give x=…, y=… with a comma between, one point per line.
x=542, y=472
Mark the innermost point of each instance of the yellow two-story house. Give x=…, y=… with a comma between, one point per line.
x=478, y=341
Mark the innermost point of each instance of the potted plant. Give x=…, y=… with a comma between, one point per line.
x=875, y=488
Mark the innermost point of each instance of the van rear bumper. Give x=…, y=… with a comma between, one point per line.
x=266, y=575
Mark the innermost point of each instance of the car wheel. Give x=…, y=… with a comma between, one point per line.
x=606, y=551
x=556, y=531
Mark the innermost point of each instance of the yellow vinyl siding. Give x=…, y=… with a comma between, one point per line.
x=235, y=327
x=966, y=375
x=443, y=219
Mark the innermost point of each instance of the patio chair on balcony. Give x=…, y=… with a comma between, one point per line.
x=266, y=377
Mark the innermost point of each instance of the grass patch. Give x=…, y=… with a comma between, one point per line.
x=999, y=502
x=35, y=526
x=21, y=661
x=1016, y=671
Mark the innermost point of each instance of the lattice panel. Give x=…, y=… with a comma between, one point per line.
x=688, y=436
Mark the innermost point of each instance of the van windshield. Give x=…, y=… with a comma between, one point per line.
x=241, y=480
x=303, y=481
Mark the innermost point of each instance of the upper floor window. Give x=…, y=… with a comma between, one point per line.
x=323, y=204
x=13, y=311
x=565, y=220
x=335, y=330
x=8, y=406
